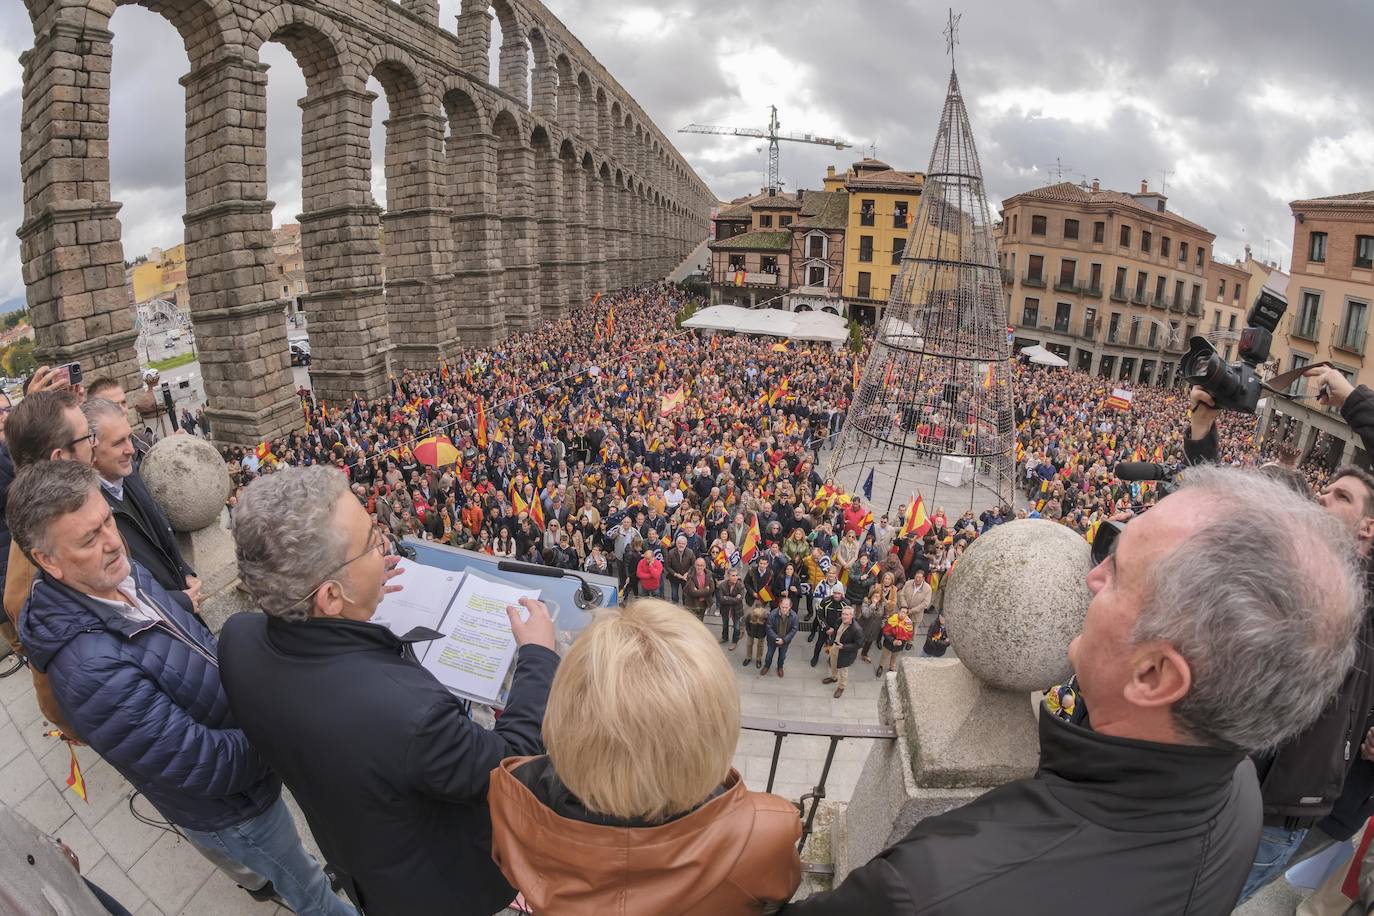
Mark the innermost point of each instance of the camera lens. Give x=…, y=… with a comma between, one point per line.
x=1206, y=370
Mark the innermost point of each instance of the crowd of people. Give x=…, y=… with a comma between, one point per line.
x=686, y=468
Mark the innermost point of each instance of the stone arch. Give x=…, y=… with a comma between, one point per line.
x=513, y=71
x=317, y=44
x=596, y=228
x=417, y=252
x=614, y=139
x=547, y=179
x=603, y=123
x=207, y=27
x=586, y=106
x=569, y=102
x=542, y=99
x=514, y=196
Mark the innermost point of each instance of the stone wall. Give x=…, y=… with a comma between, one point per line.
x=507, y=203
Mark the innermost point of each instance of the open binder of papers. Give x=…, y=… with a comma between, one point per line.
x=476, y=650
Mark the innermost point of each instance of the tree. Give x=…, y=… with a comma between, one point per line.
x=686, y=312
x=856, y=337
x=15, y=318
x=18, y=360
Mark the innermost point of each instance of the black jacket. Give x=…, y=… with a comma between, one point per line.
x=148, y=534
x=388, y=768
x=1303, y=779
x=1106, y=825
x=847, y=644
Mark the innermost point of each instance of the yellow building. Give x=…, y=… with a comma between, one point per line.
x=882, y=201
x=162, y=276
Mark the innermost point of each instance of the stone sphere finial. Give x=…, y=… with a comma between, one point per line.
x=1015, y=600
x=188, y=479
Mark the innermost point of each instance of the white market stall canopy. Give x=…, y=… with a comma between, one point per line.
x=1039, y=355
x=822, y=326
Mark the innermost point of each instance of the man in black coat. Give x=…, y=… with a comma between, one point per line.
x=385, y=762
x=845, y=640
x=140, y=519
x=1146, y=802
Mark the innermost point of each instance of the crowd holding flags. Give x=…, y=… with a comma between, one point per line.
x=915, y=523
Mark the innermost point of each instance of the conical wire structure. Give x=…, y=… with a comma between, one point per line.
x=933, y=411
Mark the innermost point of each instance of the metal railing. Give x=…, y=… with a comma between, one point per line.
x=1038, y=281
x=835, y=731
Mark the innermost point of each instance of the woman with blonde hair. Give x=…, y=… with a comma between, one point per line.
x=636, y=808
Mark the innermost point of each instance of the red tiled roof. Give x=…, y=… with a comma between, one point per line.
x=1068, y=192
x=1357, y=199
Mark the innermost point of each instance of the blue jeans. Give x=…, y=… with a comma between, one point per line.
x=269, y=845
x=782, y=654
x=1276, y=847
x=675, y=589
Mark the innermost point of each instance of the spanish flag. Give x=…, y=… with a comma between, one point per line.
x=537, y=511
x=596, y=298
x=75, y=780
x=766, y=595
x=987, y=379
x=610, y=320
x=752, y=538
x=264, y=451
x=481, y=424
x=915, y=523
x=516, y=501
x=780, y=391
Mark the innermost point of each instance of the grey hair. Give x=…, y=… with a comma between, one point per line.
x=43, y=492
x=1263, y=602
x=285, y=537
x=99, y=411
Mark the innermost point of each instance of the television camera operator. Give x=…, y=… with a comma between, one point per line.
x=1302, y=781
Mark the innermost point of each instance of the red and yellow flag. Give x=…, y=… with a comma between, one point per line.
x=75, y=781
x=537, y=511
x=481, y=424
x=914, y=521
x=596, y=298
x=752, y=538
x=987, y=379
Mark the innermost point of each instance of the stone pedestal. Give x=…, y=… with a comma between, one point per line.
x=188, y=479
x=967, y=725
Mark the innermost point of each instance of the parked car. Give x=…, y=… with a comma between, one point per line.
x=300, y=355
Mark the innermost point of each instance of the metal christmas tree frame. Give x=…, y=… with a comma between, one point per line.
x=937, y=383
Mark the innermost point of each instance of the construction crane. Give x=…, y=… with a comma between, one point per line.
x=772, y=136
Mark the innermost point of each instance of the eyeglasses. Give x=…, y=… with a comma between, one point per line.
x=1105, y=539
x=89, y=437
x=376, y=540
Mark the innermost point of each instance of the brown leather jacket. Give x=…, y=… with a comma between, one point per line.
x=732, y=856
x=18, y=582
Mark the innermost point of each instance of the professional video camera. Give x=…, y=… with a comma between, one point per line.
x=1237, y=386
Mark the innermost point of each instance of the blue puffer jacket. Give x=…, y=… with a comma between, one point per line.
x=147, y=697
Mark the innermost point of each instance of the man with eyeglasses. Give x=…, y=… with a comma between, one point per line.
x=137, y=676
x=388, y=767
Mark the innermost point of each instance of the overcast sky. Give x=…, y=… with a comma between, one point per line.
x=1246, y=104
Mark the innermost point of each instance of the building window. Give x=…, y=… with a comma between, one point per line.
x=1159, y=289
x=1183, y=252
x=815, y=246
x=1221, y=289
x=1134, y=334
x=766, y=221
x=1146, y=238
x=1216, y=320
x=898, y=248
x=1299, y=387
x=1030, y=313
x=1231, y=324
x=737, y=262
x=815, y=276
x=1099, y=232
x=867, y=213
x=1068, y=272
x=1015, y=221
x=1200, y=252
x=1141, y=278
x=770, y=265
x=1153, y=339
x=1089, y=322
x=1035, y=268
x=866, y=248
x=1308, y=312
x=1187, y=332
x=1063, y=311
x=784, y=220
x=1070, y=228
x=1165, y=243
x=899, y=215
x=1095, y=278
x=1125, y=236
x=1113, y=325
x=1178, y=294
x=865, y=284
x=1037, y=225
x=1316, y=247
x=1364, y=251
x=1354, y=325
x=1196, y=302
x=1236, y=296
x=1120, y=290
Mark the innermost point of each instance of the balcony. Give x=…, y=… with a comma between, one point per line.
x=1304, y=330
x=1071, y=288
x=1091, y=292
x=1008, y=277
x=1195, y=310
x=1120, y=295
x=1177, y=306
x=1349, y=342
x=1140, y=298
x=1037, y=281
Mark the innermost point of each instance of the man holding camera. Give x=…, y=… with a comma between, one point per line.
x=1302, y=779
x=1193, y=654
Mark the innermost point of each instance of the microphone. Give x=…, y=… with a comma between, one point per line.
x=1145, y=470
x=585, y=598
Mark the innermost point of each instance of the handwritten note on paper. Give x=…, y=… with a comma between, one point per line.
x=423, y=600
x=478, y=647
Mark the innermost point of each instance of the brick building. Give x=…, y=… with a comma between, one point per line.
x=1109, y=281
x=1330, y=294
